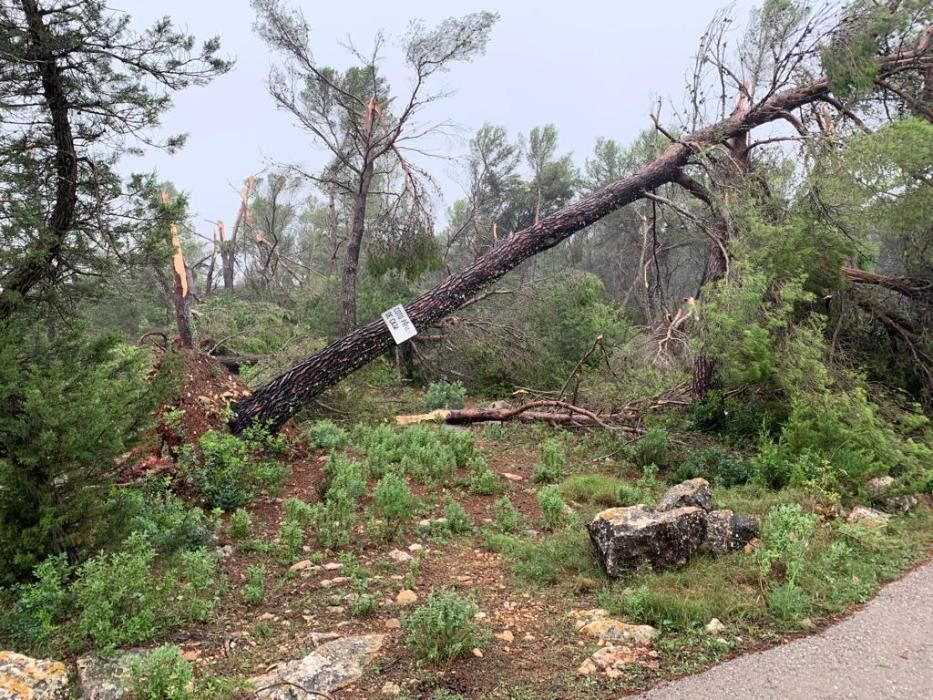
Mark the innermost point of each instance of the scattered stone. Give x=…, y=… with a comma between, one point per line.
x=400, y=556
x=879, y=486
x=415, y=548
x=597, y=623
x=319, y=638
x=727, y=532
x=899, y=505
x=331, y=582
x=693, y=493
x=587, y=668
x=751, y=546
x=393, y=623
x=224, y=552
x=499, y=405
x=807, y=623
x=506, y=636
x=479, y=615
x=391, y=689
x=478, y=653
x=24, y=678
x=869, y=517
x=628, y=538
x=331, y=667
x=406, y=597
x=267, y=617
x=513, y=477
x=304, y=565
x=333, y=566
x=714, y=626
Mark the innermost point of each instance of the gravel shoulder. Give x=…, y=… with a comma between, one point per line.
x=883, y=651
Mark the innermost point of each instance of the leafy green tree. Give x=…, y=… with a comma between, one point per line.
x=78, y=87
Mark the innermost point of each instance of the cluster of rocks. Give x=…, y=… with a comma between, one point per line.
x=879, y=491
x=620, y=644
x=684, y=522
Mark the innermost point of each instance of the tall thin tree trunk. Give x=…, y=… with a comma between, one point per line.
x=351, y=261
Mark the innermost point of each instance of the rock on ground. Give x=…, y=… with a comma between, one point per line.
x=597, y=623
x=694, y=492
x=105, y=679
x=869, y=517
x=727, y=532
x=24, y=678
x=879, y=486
x=628, y=538
x=332, y=666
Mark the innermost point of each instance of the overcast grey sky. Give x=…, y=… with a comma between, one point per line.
x=591, y=67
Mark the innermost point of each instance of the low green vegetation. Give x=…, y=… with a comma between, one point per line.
x=443, y=627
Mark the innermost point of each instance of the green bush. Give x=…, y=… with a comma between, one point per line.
x=241, y=524
x=630, y=495
x=652, y=448
x=483, y=480
x=716, y=466
x=553, y=508
x=443, y=627
x=169, y=524
x=551, y=466
x=508, y=519
x=392, y=500
x=227, y=473
x=785, y=540
x=37, y=608
x=291, y=539
x=332, y=519
x=458, y=520
x=327, y=435
x=255, y=587
x=444, y=394
x=195, y=577
x=342, y=474
x=428, y=455
x=162, y=674
x=119, y=596
x=68, y=409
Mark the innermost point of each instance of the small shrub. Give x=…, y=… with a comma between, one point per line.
x=342, y=474
x=596, y=489
x=168, y=523
x=785, y=539
x=716, y=466
x=198, y=570
x=254, y=589
x=241, y=524
x=553, y=508
x=298, y=511
x=392, y=500
x=549, y=470
x=508, y=519
x=37, y=607
x=333, y=518
x=555, y=558
x=226, y=473
x=630, y=495
x=443, y=394
x=264, y=442
x=291, y=539
x=788, y=601
x=163, y=674
x=483, y=480
x=458, y=520
x=327, y=435
x=119, y=596
x=652, y=448
x=444, y=627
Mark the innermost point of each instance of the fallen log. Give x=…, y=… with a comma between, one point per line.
x=565, y=415
x=275, y=402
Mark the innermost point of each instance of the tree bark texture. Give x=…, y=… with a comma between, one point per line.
x=276, y=401
x=38, y=266
x=352, y=259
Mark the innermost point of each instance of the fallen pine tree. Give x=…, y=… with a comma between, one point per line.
x=275, y=402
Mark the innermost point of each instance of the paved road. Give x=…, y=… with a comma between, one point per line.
x=885, y=651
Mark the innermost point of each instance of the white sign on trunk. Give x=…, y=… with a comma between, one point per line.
x=400, y=326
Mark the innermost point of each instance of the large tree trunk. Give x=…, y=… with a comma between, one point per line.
x=38, y=266
x=351, y=261
x=275, y=402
